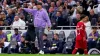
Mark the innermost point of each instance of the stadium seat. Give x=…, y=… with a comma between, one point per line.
x=98, y=44
x=67, y=47
x=20, y=32
x=94, y=51
x=13, y=44
x=62, y=36
x=50, y=35
x=71, y=36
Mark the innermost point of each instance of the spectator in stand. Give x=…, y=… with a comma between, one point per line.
x=10, y=16
x=5, y=5
x=18, y=23
x=70, y=8
x=24, y=48
x=52, y=4
x=25, y=5
x=13, y=46
x=78, y=16
x=34, y=5
x=64, y=16
x=16, y=35
x=91, y=3
x=20, y=14
x=88, y=24
x=78, y=3
x=46, y=44
x=51, y=12
x=93, y=18
x=73, y=22
x=65, y=10
x=47, y=4
x=57, y=5
x=93, y=36
x=3, y=17
x=56, y=45
x=31, y=2
x=57, y=20
x=71, y=2
x=51, y=15
x=79, y=9
x=2, y=38
x=85, y=6
x=17, y=5
x=3, y=23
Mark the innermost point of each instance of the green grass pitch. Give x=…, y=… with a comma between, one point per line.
x=43, y=55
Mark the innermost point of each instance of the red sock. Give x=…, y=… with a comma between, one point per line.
x=85, y=52
x=74, y=51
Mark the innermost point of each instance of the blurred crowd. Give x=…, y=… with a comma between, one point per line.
x=61, y=12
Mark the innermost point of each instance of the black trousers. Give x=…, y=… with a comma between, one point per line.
x=30, y=35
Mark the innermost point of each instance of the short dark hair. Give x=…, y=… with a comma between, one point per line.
x=16, y=29
x=94, y=27
x=45, y=34
x=39, y=3
x=82, y=16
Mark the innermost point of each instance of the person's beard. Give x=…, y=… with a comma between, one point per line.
x=38, y=8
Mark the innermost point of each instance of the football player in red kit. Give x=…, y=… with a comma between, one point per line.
x=81, y=42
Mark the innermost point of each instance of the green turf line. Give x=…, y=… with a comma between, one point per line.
x=43, y=55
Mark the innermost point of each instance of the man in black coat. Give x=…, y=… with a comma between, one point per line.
x=46, y=44
x=56, y=45
x=30, y=36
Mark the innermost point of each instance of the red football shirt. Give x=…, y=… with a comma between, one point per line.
x=81, y=33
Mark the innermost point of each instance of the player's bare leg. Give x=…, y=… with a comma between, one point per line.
x=74, y=51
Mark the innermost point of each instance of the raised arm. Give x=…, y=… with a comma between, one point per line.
x=33, y=11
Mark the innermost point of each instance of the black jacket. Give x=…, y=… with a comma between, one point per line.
x=46, y=43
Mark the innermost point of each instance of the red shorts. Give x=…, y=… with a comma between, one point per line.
x=81, y=44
